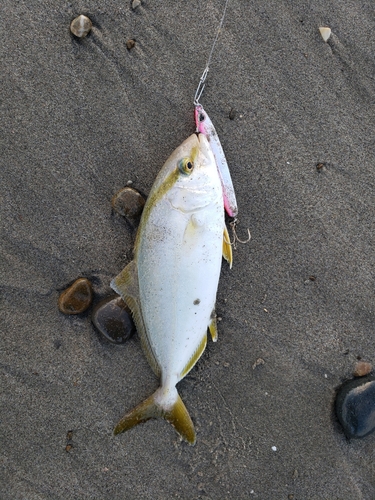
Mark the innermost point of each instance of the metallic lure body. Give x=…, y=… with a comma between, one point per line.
x=171, y=284
x=205, y=126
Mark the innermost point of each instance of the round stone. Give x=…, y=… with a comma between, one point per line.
x=80, y=26
x=128, y=202
x=77, y=298
x=112, y=318
x=355, y=406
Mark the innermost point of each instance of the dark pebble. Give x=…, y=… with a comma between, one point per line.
x=112, y=318
x=130, y=44
x=232, y=114
x=355, y=406
x=77, y=298
x=128, y=203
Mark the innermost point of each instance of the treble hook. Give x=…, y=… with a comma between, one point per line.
x=233, y=225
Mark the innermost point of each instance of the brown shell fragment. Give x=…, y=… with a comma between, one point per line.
x=362, y=368
x=130, y=44
x=77, y=298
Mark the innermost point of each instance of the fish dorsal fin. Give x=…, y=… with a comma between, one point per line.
x=213, y=327
x=162, y=404
x=227, y=248
x=126, y=285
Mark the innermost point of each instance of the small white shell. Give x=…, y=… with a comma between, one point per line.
x=80, y=26
x=325, y=32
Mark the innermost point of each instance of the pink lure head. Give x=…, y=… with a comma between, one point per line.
x=199, y=115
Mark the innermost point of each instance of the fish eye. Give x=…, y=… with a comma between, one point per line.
x=186, y=166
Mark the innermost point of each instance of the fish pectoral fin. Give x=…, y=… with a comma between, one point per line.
x=162, y=404
x=126, y=285
x=213, y=327
x=227, y=248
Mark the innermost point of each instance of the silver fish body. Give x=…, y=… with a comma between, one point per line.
x=171, y=284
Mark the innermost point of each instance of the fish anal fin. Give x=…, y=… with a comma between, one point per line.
x=213, y=327
x=197, y=354
x=162, y=404
x=126, y=285
x=227, y=248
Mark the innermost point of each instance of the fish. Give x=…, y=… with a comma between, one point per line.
x=171, y=284
x=205, y=126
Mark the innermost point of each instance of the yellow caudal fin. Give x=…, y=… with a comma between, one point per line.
x=165, y=404
x=227, y=248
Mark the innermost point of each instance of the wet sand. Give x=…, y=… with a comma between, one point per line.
x=80, y=119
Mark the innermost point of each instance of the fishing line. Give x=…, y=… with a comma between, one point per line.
x=201, y=84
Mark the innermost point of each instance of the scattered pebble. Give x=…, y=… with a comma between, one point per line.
x=68, y=447
x=130, y=44
x=112, y=318
x=312, y=278
x=77, y=298
x=274, y=448
x=136, y=4
x=80, y=26
x=319, y=166
x=325, y=32
x=258, y=362
x=232, y=114
x=362, y=368
x=128, y=203
x=355, y=406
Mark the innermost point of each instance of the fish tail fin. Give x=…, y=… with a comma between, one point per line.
x=165, y=404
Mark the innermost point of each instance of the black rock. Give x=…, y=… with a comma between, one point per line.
x=112, y=318
x=355, y=406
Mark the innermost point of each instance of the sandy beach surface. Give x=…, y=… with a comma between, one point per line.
x=79, y=119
